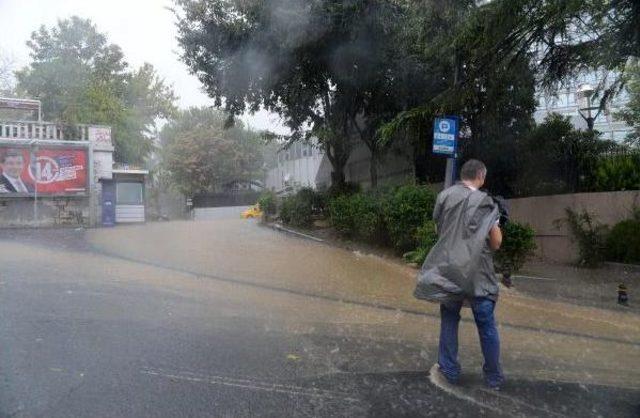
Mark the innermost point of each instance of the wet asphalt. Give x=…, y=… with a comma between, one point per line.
x=88, y=332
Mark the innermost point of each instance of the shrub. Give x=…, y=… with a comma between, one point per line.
x=518, y=244
x=296, y=212
x=589, y=235
x=313, y=198
x=427, y=237
x=620, y=172
x=623, y=242
x=341, y=216
x=357, y=216
x=268, y=204
x=405, y=210
x=346, y=188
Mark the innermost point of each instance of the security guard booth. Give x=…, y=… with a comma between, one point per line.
x=129, y=185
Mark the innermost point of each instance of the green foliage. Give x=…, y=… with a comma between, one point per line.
x=299, y=209
x=334, y=66
x=631, y=112
x=204, y=156
x=588, y=234
x=268, y=203
x=316, y=200
x=575, y=34
x=495, y=101
x=357, y=216
x=518, y=245
x=405, y=210
x=341, y=214
x=556, y=158
x=623, y=242
x=347, y=188
x=618, y=172
x=81, y=78
x=427, y=237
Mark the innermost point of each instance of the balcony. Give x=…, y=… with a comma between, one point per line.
x=43, y=131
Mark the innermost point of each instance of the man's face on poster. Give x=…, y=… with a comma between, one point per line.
x=13, y=165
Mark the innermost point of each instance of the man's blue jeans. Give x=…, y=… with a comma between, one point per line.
x=483, y=309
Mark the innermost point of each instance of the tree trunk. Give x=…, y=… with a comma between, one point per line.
x=373, y=170
x=420, y=157
x=338, y=162
x=338, y=178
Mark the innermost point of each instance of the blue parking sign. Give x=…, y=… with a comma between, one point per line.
x=445, y=135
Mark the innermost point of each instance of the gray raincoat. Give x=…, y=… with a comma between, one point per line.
x=460, y=266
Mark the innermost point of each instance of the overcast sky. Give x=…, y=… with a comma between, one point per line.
x=144, y=29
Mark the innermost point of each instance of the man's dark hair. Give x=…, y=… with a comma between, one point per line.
x=11, y=153
x=473, y=169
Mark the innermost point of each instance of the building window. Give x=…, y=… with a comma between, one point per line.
x=129, y=194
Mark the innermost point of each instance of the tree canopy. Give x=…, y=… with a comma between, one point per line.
x=631, y=113
x=202, y=155
x=330, y=68
x=376, y=70
x=81, y=78
x=568, y=37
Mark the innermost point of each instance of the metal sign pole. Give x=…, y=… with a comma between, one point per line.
x=450, y=173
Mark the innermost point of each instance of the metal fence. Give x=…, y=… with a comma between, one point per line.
x=215, y=200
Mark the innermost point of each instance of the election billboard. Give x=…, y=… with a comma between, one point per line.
x=45, y=170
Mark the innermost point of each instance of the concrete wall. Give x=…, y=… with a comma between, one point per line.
x=59, y=211
x=540, y=212
x=396, y=166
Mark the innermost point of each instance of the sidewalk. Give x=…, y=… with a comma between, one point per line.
x=587, y=287
x=549, y=281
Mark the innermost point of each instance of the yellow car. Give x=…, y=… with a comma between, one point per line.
x=252, y=212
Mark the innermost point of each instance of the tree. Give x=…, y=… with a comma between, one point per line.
x=81, y=78
x=495, y=102
x=202, y=156
x=631, y=113
x=371, y=71
x=554, y=157
x=568, y=37
x=7, y=84
x=327, y=67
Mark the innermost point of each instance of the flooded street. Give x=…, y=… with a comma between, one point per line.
x=225, y=317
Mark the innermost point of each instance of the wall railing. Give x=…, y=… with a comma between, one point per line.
x=43, y=130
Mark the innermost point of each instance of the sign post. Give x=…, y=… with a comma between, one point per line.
x=445, y=142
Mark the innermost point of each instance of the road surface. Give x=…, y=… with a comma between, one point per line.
x=223, y=317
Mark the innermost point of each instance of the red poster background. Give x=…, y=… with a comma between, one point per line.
x=62, y=171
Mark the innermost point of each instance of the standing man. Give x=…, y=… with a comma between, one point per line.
x=12, y=167
x=459, y=270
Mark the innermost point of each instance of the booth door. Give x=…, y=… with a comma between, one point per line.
x=130, y=202
x=108, y=203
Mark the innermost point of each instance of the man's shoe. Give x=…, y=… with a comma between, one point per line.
x=438, y=377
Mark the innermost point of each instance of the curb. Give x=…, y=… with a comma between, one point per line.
x=280, y=228
x=621, y=267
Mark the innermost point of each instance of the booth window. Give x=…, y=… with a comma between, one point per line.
x=129, y=194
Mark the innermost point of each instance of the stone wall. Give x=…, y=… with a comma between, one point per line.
x=554, y=243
